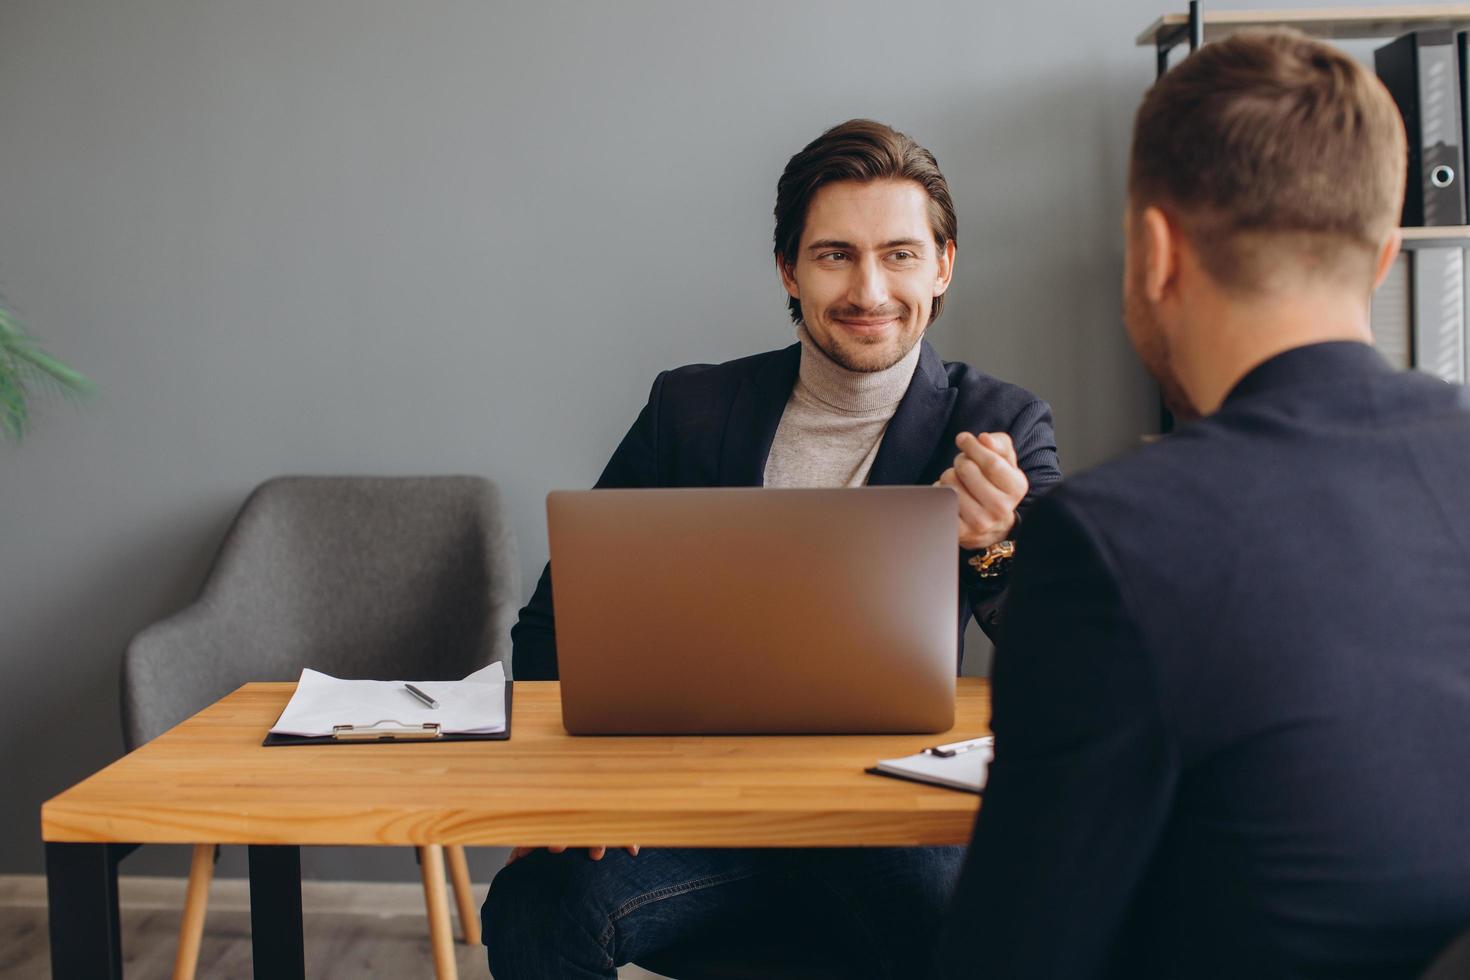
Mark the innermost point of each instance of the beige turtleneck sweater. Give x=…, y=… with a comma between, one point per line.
x=834, y=420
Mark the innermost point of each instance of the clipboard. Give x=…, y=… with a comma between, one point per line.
x=949, y=766
x=875, y=771
x=391, y=731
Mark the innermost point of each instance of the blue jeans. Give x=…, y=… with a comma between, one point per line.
x=877, y=910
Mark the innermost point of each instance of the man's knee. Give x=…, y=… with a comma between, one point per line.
x=544, y=916
x=514, y=902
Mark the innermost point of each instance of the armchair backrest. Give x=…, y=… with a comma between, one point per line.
x=377, y=577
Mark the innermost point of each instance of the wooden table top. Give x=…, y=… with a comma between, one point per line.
x=209, y=780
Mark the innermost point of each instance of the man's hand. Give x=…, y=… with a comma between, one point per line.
x=595, y=853
x=989, y=484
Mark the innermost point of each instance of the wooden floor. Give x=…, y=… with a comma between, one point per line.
x=353, y=931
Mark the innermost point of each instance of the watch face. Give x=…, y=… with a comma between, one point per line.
x=994, y=560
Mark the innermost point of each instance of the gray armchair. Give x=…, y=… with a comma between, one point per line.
x=371, y=577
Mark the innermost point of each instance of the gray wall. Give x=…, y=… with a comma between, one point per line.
x=369, y=236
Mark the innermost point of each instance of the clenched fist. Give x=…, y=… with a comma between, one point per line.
x=989, y=485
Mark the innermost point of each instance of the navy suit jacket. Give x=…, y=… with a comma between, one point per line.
x=1232, y=697
x=711, y=425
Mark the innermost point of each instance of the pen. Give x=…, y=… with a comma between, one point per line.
x=421, y=696
x=955, y=748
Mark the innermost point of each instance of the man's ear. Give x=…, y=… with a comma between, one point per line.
x=788, y=277
x=1386, y=254
x=1160, y=256
x=946, y=268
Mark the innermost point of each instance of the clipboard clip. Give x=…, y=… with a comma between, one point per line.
x=385, y=730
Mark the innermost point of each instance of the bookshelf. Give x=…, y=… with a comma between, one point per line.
x=1328, y=23
x=1395, y=298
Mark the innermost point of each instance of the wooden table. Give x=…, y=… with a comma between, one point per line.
x=209, y=780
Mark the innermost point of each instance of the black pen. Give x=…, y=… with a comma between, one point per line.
x=955, y=748
x=421, y=696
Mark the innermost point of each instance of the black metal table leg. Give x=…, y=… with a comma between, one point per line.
x=275, y=912
x=81, y=894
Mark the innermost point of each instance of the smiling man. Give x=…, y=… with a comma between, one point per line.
x=867, y=299
x=865, y=246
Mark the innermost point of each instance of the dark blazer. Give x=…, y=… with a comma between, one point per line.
x=711, y=425
x=1232, y=696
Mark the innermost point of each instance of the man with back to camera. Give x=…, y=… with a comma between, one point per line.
x=865, y=247
x=1232, y=694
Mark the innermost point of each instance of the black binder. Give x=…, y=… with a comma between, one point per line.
x=373, y=736
x=1462, y=48
x=1421, y=71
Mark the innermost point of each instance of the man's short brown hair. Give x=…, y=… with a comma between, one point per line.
x=864, y=151
x=1269, y=146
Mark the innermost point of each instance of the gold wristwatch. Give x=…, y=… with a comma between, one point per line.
x=994, y=560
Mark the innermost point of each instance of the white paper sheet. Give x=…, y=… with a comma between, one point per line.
x=966, y=771
x=475, y=705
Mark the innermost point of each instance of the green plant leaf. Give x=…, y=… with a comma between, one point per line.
x=24, y=366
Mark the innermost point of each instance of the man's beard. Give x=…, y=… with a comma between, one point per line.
x=1152, y=348
x=845, y=358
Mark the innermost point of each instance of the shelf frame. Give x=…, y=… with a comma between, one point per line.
x=1436, y=236
x=1327, y=23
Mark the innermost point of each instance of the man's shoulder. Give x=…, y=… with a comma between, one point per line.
x=976, y=388
x=1255, y=455
x=704, y=381
x=1175, y=496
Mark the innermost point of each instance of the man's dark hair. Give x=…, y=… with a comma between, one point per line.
x=861, y=150
x=1269, y=146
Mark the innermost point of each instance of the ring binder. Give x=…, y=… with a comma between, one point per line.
x=1421, y=72
x=377, y=732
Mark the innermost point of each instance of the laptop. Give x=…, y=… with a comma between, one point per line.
x=755, y=611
